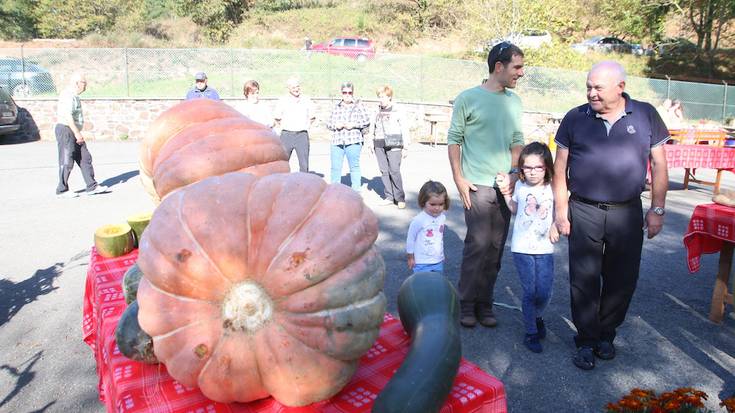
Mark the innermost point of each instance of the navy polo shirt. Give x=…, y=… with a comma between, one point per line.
x=610, y=166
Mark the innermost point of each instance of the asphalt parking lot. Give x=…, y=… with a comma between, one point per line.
x=666, y=341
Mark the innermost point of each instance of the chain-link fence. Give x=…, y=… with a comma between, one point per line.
x=166, y=73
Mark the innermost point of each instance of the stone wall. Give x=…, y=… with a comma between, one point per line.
x=122, y=119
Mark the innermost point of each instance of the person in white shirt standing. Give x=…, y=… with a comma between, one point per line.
x=70, y=140
x=295, y=114
x=425, y=240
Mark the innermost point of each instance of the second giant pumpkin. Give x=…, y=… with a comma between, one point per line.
x=262, y=286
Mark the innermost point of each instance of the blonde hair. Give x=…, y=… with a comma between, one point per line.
x=384, y=90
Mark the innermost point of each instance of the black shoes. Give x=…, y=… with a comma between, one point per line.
x=540, y=328
x=467, y=314
x=485, y=315
x=605, y=350
x=584, y=358
x=531, y=341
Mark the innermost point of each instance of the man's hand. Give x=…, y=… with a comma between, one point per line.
x=503, y=182
x=654, y=223
x=80, y=138
x=464, y=187
x=411, y=261
x=562, y=224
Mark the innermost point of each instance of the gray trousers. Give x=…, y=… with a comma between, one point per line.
x=604, y=260
x=487, y=229
x=71, y=152
x=389, y=162
x=298, y=141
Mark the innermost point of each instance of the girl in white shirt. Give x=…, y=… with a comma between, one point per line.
x=534, y=232
x=425, y=240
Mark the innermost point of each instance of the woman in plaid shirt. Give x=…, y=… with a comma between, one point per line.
x=346, y=122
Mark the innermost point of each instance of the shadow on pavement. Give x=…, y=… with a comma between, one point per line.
x=123, y=177
x=23, y=378
x=13, y=296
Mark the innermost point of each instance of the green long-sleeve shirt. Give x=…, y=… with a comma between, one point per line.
x=485, y=124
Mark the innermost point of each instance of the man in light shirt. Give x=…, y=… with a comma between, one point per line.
x=70, y=140
x=295, y=114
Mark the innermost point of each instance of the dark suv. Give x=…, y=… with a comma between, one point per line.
x=23, y=79
x=9, y=122
x=355, y=47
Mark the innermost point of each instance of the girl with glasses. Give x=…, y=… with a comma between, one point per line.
x=534, y=233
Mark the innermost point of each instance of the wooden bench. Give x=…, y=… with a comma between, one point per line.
x=695, y=136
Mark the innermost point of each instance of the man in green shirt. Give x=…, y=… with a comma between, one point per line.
x=485, y=138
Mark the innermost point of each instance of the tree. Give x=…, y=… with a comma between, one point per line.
x=76, y=18
x=17, y=20
x=217, y=17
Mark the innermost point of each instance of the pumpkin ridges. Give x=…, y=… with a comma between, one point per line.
x=186, y=272
x=249, y=132
x=345, y=334
x=327, y=242
x=170, y=123
x=232, y=371
x=213, y=157
x=311, y=376
x=219, y=231
x=165, y=312
x=279, y=192
x=362, y=279
x=178, y=350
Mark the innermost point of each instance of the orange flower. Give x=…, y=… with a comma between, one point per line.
x=672, y=405
x=612, y=407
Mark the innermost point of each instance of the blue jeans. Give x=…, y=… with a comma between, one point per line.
x=352, y=152
x=536, y=272
x=438, y=267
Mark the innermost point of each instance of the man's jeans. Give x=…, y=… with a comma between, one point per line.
x=536, y=272
x=352, y=152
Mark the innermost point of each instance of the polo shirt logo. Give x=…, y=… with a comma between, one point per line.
x=631, y=129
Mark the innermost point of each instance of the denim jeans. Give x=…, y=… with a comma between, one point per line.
x=352, y=152
x=536, y=272
x=438, y=267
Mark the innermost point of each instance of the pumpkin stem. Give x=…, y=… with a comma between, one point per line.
x=246, y=308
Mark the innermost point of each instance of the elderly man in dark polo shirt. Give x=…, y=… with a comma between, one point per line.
x=603, y=150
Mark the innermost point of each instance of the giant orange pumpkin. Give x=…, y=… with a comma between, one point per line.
x=171, y=122
x=214, y=148
x=262, y=286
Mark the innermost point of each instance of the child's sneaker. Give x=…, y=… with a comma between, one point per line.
x=540, y=328
x=531, y=341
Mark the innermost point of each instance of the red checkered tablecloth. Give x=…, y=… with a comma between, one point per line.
x=129, y=386
x=699, y=156
x=710, y=225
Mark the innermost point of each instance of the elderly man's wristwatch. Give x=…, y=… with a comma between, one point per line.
x=660, y=211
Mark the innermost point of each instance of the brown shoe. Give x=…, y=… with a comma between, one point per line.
x=467, y=314
x=485, y=315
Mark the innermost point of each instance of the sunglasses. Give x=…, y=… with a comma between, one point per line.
x=344, y=92
x=501, y=49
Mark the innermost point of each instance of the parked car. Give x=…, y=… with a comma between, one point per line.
x=604, y=44
x=9, y=122
x=358, y=48
x=22, y=78
x=674, y=45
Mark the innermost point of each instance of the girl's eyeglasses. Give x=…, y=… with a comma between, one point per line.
x=533, y=168
x=344, y=92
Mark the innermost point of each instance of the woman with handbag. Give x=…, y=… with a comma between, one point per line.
x=346, y=122
x=389, y=143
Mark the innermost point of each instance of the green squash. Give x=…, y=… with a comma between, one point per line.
x=114, y=240
x=130, y=282
x=429, y=309
x=133, y=342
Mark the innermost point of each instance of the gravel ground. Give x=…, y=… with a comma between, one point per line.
x=666, y=341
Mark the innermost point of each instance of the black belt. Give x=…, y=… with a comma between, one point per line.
x=604, y=205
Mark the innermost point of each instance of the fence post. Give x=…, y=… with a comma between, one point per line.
x=232, y=71
x=421, y=78
x=127, y=75
x=668, y=87
x=724, y=101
